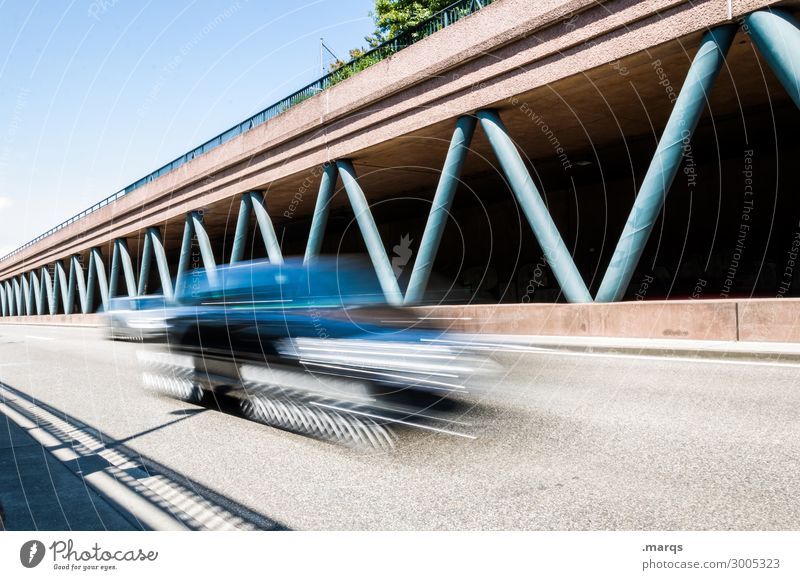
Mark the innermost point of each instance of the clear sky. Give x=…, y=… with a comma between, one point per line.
x=97, y=93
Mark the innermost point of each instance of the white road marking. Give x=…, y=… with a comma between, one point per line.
x=39, y=337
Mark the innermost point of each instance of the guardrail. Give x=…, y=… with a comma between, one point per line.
x=445, y=17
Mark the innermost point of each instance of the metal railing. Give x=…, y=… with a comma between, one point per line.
x=445, y=17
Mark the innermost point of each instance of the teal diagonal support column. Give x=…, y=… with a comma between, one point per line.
x=776, y=34
x=144, y=264
x=9, y=293
x=65, y=284
x=121, y=260
x=12, y=298
x=102, y=281
x=327, y=185
x=369, y=231
x=51, y=290
x=3, y=304
x=77, y=280
x=242, y=233
x=36, y=288
x=69, y=301
x=161, y=262
x=266, y=228
x=127, y=265
x=113, y=276
x=532, y=204
x=26, y=295
x=186, y=252
x=204, y=243
x=18, y=298
x=665, y=164
x=91, y=282
x=31, y=298
x=252, y=201
x=43, y=293
x=440, y=209
x=15, y=297
x=19, y=295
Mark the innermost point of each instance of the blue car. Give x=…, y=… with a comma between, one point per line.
x=312, y=349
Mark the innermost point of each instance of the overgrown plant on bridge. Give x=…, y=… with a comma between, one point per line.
x=398, y=23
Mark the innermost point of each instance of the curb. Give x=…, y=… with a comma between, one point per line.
x=761, y=352
x=739, y=355
x=677, y=351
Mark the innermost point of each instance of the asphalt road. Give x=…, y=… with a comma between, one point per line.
x=563, y=442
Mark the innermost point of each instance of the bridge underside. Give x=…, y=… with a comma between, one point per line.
x=729, y=228
x=607, y=123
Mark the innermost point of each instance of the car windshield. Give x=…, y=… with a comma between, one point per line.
x=335, y=282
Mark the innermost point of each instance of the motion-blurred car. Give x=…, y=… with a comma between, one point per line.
x=312, y=349
x=138, y=318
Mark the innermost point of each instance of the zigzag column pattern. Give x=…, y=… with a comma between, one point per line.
x=775, y=33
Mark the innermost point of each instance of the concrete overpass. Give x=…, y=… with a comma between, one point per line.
x=583, y=106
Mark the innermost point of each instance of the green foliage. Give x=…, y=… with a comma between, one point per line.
x=393, y=17
x=343, y=70
x=295, y=100
x=299, y=98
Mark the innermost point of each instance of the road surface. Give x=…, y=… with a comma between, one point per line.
x=563, y=441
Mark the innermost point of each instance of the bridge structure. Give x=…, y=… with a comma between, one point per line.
x=524, y=152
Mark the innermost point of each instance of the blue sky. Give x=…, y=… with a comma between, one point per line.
x=96, y=93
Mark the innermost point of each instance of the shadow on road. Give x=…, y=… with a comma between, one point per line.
x=133, y=483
